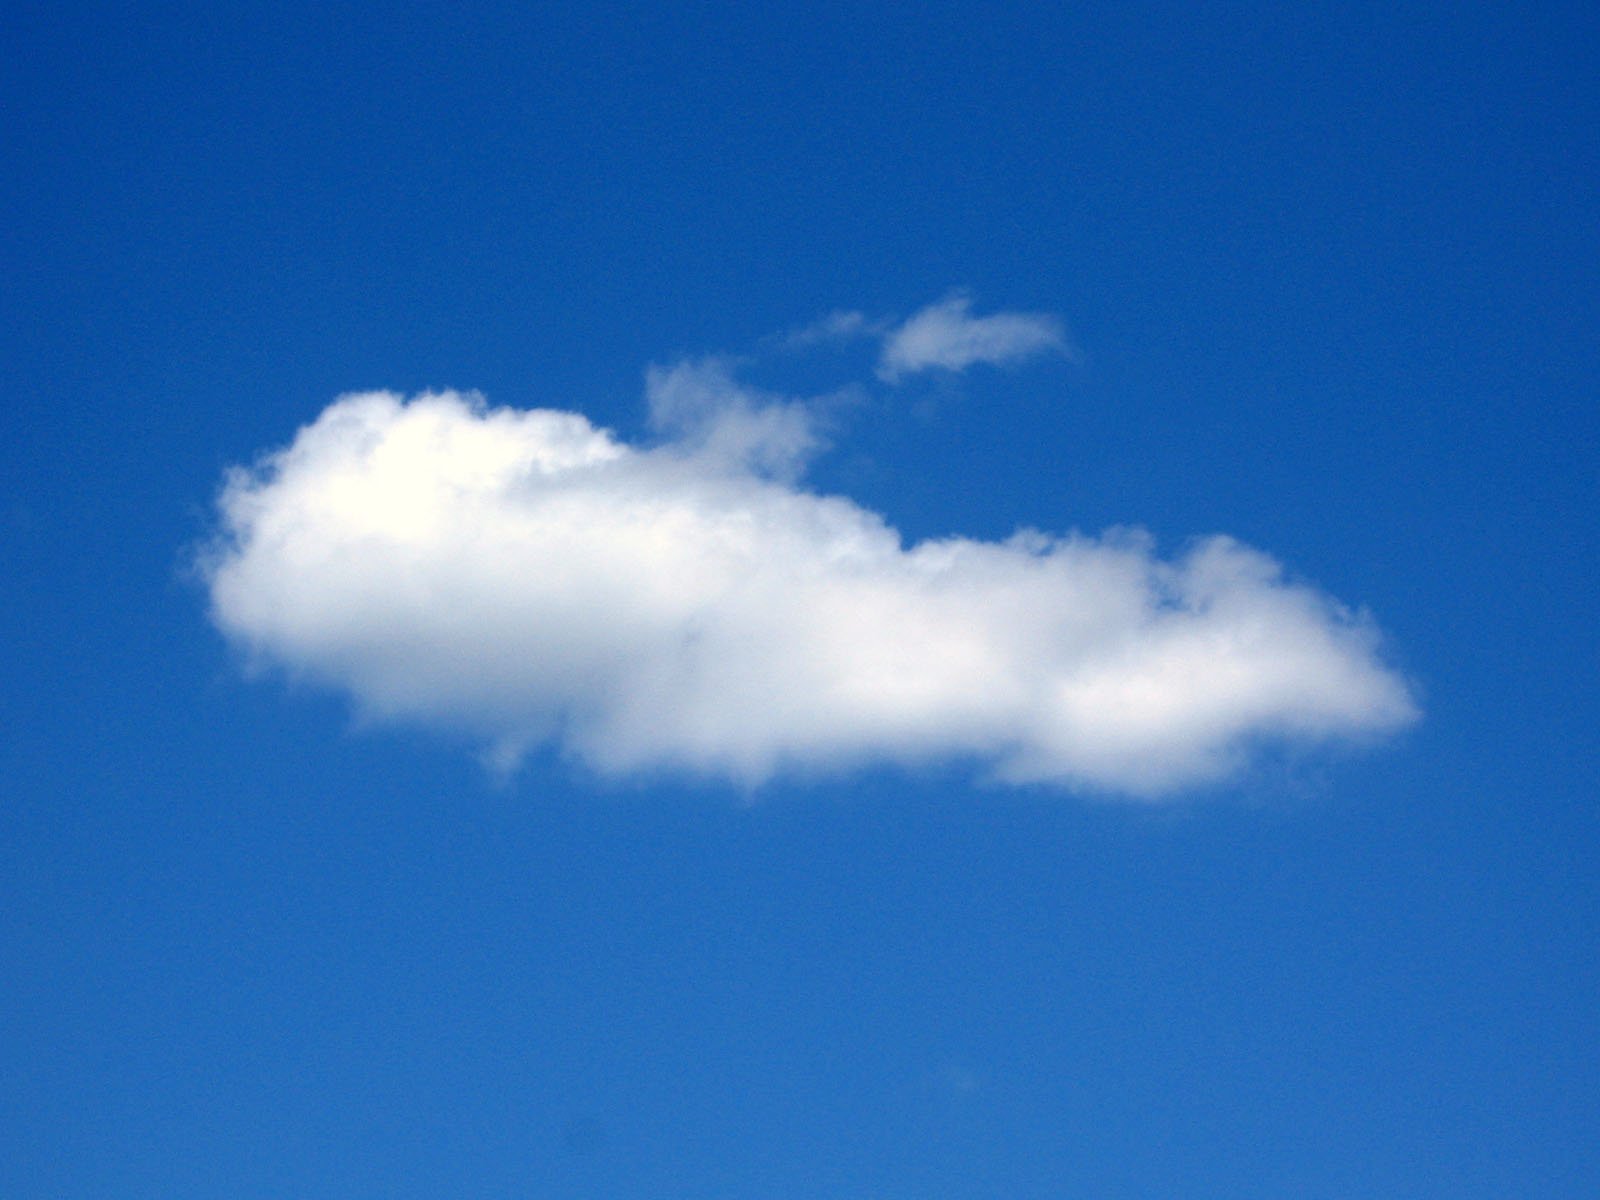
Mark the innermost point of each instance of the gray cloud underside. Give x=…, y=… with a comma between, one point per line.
x=524, y=577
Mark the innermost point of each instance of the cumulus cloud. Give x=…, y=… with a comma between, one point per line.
x=946, y=336
x=525, y=577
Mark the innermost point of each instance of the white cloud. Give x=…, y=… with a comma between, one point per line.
x=706, y=413
x=946, y=336
x=842, y=325
x=524, y=577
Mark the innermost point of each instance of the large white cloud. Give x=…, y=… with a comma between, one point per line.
x=524, y=577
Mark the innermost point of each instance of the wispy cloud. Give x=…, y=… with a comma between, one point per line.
x=703, y=411
x=842, y=325
x=525, y=577
x=947, y=337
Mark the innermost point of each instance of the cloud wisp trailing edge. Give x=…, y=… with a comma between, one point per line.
x=524, y=577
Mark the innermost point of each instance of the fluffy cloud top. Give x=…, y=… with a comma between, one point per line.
x=947, y=336
x=524, y=577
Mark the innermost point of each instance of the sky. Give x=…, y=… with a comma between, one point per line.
x=817, y=602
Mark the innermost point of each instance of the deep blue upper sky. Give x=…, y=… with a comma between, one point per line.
x=1332, y=277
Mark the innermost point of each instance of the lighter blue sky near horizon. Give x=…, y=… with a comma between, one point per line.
x=1325, y=282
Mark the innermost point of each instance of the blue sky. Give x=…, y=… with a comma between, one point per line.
x=800, y=911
